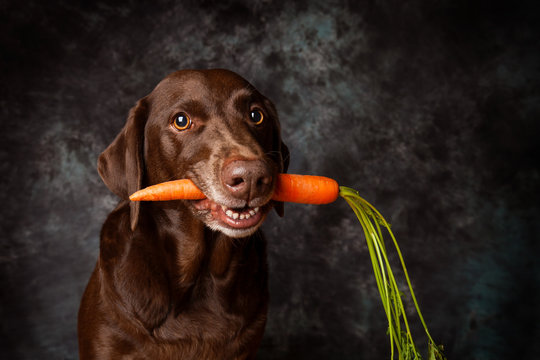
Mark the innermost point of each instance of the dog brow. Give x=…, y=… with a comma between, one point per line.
x=196, y=108
x=240, y=98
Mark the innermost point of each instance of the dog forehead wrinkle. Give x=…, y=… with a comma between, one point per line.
x=195, y=108
x=182, y=89
x=213, y=87
x=238, y=103
x=236, y=95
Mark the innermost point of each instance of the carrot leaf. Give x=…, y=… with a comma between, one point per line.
x=399, y=333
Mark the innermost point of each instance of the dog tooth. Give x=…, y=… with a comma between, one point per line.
x=224, y=208
x=256, y=209
x=252, y=212
x=235, y=216
x=247, y=216
x=229, y=213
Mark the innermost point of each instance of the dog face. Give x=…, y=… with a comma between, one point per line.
x=210, y=126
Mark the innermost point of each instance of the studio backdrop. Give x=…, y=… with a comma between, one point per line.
x=429, y=109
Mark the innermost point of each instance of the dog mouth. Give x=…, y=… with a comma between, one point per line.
x=221, y=217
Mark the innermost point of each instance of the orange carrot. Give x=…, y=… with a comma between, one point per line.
x=304, y=189
x=170, y=190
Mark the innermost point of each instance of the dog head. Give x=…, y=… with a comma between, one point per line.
x=210, y=126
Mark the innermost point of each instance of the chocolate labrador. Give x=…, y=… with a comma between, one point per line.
x=186, y=279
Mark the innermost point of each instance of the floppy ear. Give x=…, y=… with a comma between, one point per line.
x=280, y=147
x=285, y=156
x=284, y=151
x=121, y=165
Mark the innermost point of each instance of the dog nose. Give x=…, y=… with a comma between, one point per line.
x=247, y=179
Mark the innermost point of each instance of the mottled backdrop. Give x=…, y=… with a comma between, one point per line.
x=431, y=109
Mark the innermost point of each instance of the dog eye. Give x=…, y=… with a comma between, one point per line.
x=256, y=116
x=182, y=122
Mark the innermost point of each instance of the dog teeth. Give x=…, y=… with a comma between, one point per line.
x=237, y=216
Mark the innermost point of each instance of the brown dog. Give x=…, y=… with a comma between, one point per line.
x=186, y=279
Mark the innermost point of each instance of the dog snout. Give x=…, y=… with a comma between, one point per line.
x=247, y=179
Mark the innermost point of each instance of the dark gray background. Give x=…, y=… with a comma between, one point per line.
x=429, y=108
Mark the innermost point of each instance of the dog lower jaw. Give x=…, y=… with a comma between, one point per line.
x=232, y=233
x=235, y=223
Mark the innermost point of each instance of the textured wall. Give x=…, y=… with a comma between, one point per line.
x=430, y=109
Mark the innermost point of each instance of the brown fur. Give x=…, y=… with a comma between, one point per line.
x=167, y=286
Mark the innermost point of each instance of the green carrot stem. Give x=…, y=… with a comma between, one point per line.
x=380, y=262
x=370, y=220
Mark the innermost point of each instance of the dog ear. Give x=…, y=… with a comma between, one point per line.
x=285, y=155
x=278, y=147
x=121, y=165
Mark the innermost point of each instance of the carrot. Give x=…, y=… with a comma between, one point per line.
x=304, y=189
x=170, y=190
